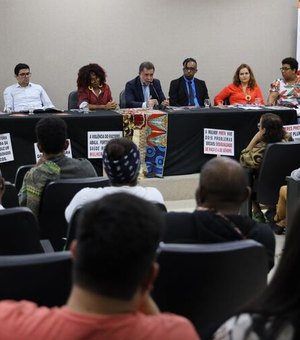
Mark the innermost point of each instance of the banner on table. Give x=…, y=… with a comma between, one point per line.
x=97, y=140
x=6, y=151
x=218, y=142
x=294, y=130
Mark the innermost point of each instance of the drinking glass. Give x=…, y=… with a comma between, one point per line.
x=206, y=103
x=257, y=101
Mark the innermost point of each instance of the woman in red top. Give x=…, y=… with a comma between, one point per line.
x=92, y=89
x=243, y=90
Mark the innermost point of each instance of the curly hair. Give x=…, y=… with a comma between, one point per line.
x=236, y=77
x=84, y=74
x=274, y=128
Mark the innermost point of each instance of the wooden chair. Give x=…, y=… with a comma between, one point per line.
x=207, y=283
x=55, y=198
x=42, y=278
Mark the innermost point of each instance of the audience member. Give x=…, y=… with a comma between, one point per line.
x=243, y=90
x=188, y=90
x=2, y=189
x=223, y=187
x=270, y=130
x=275, y=313
x=121, y=160
x=25, y=95
x=93, y=92
x=280, y=218
x=51, y=133
x=114, y=270
x=145, y=91
x=286, y=90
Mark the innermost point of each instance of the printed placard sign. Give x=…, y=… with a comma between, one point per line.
x=218, y=142
x=97, y=141
x=6, y=151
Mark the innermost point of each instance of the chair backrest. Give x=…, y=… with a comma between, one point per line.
x=122, y=99
x=208, y=283
x=72, y=100
x=41, y=278
x=20, y=175
x=278, y=162
x=10, y=197
x=55, y=198
x=19, y=232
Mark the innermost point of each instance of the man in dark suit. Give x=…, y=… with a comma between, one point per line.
x=188, y=90
x=145, y=91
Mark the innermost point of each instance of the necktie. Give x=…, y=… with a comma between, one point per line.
x=191, y=94
x=146, y=92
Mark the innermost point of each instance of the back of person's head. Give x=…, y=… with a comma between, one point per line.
x=117, y=238
x=223, y=181
x=84, y=74
x=292, y=62
x=51, y=133
x=274, y=128
x=188, y=60
x=121, y=160
x=236, y=77
x=19, y=67
x=146, y=65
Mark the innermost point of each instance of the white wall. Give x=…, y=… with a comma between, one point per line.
x=57, y=37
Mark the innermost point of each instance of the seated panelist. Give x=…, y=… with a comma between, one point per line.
x=188, y=90
x=93, y=90
x=145, y=91
x=25, y=95
x=243, y=90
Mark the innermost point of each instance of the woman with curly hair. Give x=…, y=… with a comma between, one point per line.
x=93, y=90
x=270, y=130
x=243, y=89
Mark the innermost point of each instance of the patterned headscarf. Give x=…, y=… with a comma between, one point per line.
x=125, y=169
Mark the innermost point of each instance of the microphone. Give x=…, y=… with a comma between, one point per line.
x=154, y=90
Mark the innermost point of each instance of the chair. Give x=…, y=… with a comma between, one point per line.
x=21, y=171
x=207, y=283
x=278, y=162
x=55, y=198
x=72, y=100
x=19, y=232
x=42, y=278
x=293, y=199
x=10, y=197
x=122, y=99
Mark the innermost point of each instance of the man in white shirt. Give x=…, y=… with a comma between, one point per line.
x=25, y=96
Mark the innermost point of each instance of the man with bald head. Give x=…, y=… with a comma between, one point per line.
x=223, y=187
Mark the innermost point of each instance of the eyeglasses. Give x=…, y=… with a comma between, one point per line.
x=27, y=74
x=192, y=69
x=258, y=125
x=285, y=68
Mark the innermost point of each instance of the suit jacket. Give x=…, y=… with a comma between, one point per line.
x=178, y=93
x=134, y=92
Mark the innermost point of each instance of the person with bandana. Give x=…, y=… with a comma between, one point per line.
x=121, y=160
